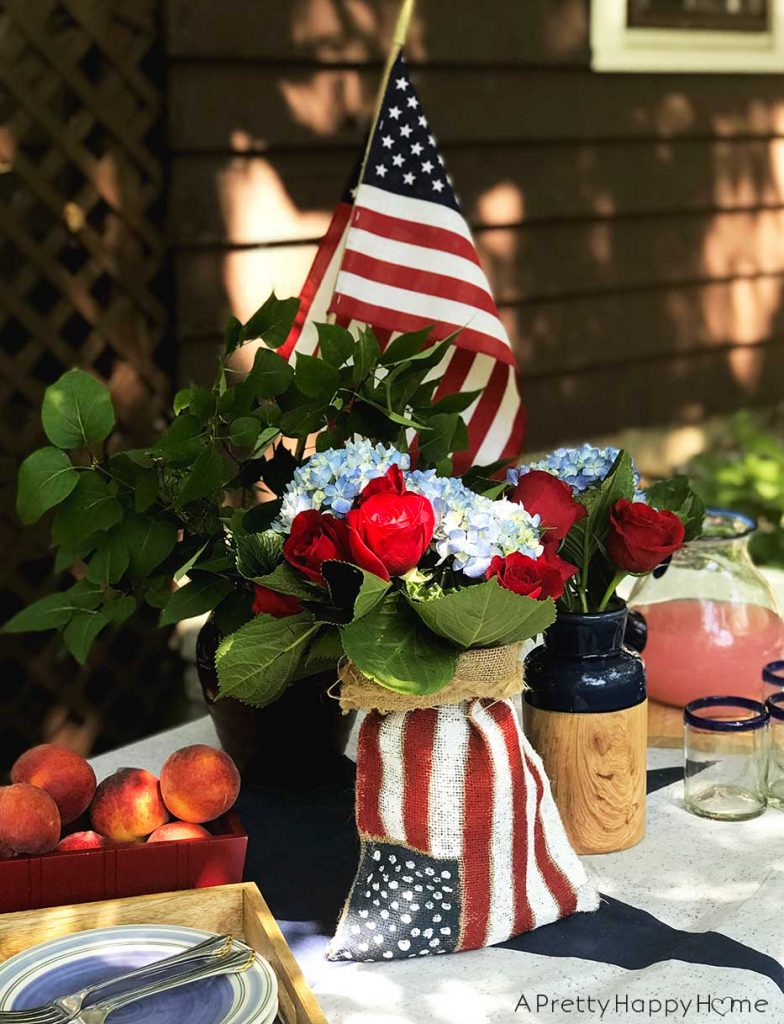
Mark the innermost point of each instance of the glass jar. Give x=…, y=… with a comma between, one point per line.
x=775, y=706
x=773, y=678
x=713, y=621
x=726, y=757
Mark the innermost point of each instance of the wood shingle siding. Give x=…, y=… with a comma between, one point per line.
x=631, y=225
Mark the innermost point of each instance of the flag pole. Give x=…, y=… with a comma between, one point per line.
x=398, y=42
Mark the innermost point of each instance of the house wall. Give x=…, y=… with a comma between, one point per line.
x=631, y=225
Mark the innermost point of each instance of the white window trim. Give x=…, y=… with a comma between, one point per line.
x=615, y=47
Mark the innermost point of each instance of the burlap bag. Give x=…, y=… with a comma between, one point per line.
x=495, y=672
x=461, y=842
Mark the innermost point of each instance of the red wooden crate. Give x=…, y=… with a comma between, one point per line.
x=85, y=876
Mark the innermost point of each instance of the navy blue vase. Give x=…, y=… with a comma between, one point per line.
x=589, y=663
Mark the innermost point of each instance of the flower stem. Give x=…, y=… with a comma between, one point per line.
x=610, y=590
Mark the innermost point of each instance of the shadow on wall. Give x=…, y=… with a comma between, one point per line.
x=630, y=224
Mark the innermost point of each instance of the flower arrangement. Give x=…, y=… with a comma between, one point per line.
x=174, y=526
x=598, y=523
x=399, y=570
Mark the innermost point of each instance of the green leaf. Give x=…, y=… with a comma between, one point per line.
x=315, y=378
x=77, y=411
x=436, y=440
x=258, y=553
x=244, y=431
x=392, y=646
x=201, y=595
x=68, y=555
x=145, y=490
x=598, y=500
x=335, y=343
x=269, y=376
x=303, y=421
x=261, y=516
x=234, y=611
x=284, y=580
x=45, y=479
x=256, y=663
x=676, y=496
x=395, y=417
x=149, y=542
x=91, y=506
x=157, y=591
x=232, y=335
x=485, y=615
x=458, y=402
x=82, y=630
x=119, y=609
x=181, y=442
x=366, y=355
x=352, y=588
x=278, y=472
x=110, y=561
x=322, y=654
x=204, y=478
x=405, y=347
x=52, y=611
x=189, y=563
x=265, y=439
x=272, y=322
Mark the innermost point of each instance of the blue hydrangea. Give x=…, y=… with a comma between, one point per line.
x=581, y=467
x=472, y=529
x=331, y=480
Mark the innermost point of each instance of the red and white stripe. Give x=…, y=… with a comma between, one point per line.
x=462, y=782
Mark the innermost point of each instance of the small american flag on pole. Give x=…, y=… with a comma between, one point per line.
x=399, y=256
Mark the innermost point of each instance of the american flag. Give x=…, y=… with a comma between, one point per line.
x=462, y=845
x=399, y=256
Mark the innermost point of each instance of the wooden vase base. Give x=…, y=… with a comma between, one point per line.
x=597, y=767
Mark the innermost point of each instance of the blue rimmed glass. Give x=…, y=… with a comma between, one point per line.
x=726, y=753
x=775, y=706
x=773, y=677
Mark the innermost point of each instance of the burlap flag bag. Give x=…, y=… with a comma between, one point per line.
x=461, y=842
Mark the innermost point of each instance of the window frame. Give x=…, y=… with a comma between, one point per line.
x=616, y=47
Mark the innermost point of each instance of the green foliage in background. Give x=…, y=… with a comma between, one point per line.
x=128, y=525
x=746, y=473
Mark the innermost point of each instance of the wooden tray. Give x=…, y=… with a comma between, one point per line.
x=238, y=909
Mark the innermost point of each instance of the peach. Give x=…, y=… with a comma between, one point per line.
x=177, y=830
x=29, y=819
x=199, y=783
x=67, y=778
x=128, y=805
x=83, y=841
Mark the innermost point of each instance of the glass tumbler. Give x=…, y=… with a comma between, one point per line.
x=726, y=751
x=775, y=705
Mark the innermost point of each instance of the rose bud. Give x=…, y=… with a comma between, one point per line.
x=315, y=538
x=391, y=529
x=270, y=602
x=552, y=500
x=539, y=578
x=640, y=537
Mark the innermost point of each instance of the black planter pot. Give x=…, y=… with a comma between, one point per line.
x=298, y=741
x=588, y=663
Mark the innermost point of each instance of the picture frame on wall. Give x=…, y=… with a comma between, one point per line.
x=732, y=36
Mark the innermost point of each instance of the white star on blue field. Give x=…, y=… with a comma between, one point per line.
x=403, y=155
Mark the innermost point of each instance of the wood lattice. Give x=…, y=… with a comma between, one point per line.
x=82, y=272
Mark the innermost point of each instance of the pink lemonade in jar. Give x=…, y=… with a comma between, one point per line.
x=702, y=648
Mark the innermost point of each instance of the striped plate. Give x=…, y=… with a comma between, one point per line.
x=65, y=965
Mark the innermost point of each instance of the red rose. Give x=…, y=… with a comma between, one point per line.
x=545, y=495
x=392, y=527
x=640, y=538
x=315, y=537
x=391, y=483
x=270, y=602
x=540, y=577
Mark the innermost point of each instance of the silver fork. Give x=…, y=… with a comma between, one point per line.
x=235, y=963
x=65, y=1007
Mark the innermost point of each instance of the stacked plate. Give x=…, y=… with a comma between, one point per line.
x=65, y=965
